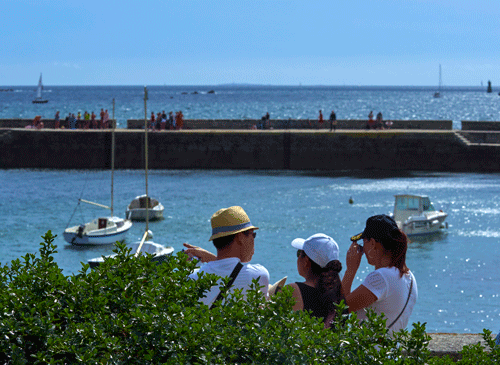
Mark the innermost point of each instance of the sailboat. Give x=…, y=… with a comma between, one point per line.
x=38, y=99
x=437, y=94
x=145, y=245
x=102, y=230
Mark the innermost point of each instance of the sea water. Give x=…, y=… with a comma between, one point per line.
x=252, y=102
x=457, y=271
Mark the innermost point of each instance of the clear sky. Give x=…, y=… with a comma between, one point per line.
x=277, y=42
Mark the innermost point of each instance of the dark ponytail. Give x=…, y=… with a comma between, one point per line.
x=330, y=286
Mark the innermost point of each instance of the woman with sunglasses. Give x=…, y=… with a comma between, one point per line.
x=391, y=288
x=318, y=263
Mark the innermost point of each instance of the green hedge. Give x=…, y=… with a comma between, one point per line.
x=132, y=311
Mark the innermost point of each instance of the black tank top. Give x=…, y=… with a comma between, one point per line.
x=312, y=299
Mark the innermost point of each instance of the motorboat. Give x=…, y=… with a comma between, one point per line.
x=39, y=99
x=160, y=253
x=100, y=231
x=143, y=205
x=103, y=230
x=416, y=215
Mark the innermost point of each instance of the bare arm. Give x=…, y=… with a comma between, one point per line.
x=361, y=297
x=299, y=304
x=200, y=253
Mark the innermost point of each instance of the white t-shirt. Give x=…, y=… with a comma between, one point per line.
x=224, y=268
x=391, y=291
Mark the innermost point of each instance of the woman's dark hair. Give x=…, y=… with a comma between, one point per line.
x=396, y=245
x=329, y=285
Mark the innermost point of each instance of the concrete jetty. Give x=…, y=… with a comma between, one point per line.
x=396, y=150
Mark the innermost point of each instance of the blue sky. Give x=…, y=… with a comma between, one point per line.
x=278, y=42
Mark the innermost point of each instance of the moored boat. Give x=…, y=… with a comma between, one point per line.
x=160, y=253
x=144, y=207
x=416, y=215
x=100, y=231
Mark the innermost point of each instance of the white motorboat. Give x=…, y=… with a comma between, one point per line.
x=138, y=209
x=100, y=231
x=160, y=253
x=39, y=99
x=104, y=230
x=415, y=215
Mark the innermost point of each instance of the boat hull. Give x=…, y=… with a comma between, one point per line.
x=419, y=226
x=160, y=253
x=137, y=211
x=88, y=234
x=139, y=214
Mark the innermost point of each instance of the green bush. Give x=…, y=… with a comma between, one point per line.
x=132, y=311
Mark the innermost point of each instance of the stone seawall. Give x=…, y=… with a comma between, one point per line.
x=273, y=149
x=297, y=124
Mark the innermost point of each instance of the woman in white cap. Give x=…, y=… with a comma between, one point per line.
x=318, y=263
x=391, y=288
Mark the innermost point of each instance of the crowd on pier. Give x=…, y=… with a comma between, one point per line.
x=162, y=121
x=78, y=121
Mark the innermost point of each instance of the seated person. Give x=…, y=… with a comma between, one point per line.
x=233, y=237
x=391, y=288
x=318, y=263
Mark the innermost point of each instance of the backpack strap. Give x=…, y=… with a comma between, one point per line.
x=233, y=276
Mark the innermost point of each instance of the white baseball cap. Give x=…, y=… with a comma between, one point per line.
x=319, y=247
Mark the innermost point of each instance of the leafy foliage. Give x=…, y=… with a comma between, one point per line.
x=133, y=311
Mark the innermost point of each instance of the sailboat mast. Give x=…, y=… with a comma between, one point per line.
x=146, y=152
x=112, y=163
x=439, y=77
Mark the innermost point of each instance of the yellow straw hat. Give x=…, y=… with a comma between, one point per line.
x=228, y=221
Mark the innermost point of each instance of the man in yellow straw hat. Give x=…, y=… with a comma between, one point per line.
x=233, y=237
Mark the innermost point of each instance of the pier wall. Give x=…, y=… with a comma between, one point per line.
x=270, y=149
x=297, y=124
x=480, y=126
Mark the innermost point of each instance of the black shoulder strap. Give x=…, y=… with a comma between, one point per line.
x=233, y=276
x=407, y=300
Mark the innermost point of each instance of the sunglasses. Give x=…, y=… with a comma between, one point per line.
x=300, y=253
x=254, y=234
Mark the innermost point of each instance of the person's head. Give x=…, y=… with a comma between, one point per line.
x=232, y=230
x=382, y=234
x=318, y=256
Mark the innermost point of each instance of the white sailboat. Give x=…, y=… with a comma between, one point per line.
x=102, y=230
x=145, y=245
x=437, y=94
x=38, y=99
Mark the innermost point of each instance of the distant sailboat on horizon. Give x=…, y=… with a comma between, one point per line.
x=437, y=94
x=38, y=99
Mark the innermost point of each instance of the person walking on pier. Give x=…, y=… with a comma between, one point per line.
x=333, y=121
x=57, y=120
x=320, y=119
